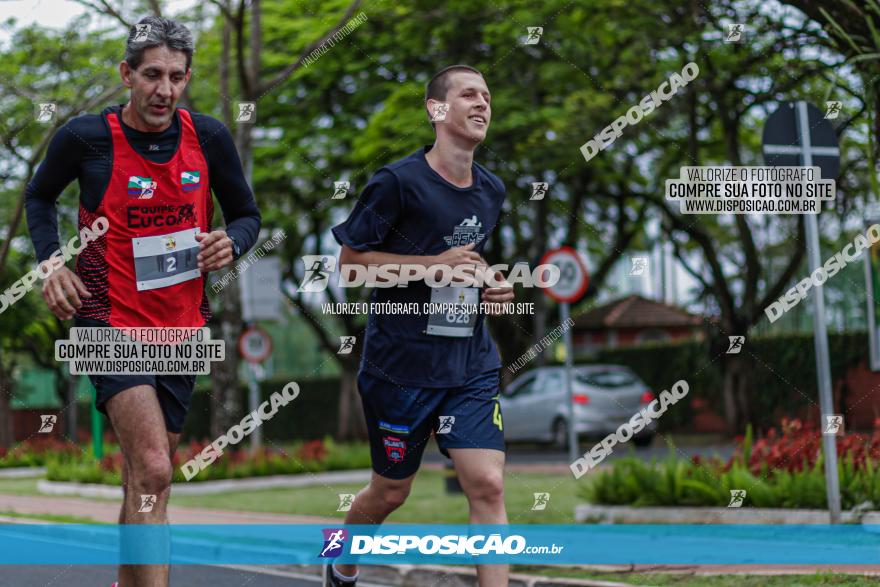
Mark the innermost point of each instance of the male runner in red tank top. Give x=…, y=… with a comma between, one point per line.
x=149, y=168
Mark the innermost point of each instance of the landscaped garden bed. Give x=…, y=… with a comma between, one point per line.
x=39, y=452
x=301, y=457
x=783, y=469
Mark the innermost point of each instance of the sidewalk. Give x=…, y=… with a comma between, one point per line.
x=107, y=511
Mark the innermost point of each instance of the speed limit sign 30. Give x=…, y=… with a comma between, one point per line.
x=255, y=345
x=573, y=276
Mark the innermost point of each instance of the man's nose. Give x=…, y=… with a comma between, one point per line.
x=164, y=88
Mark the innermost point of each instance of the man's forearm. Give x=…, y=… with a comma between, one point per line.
x=367, y=258
x=42, y=221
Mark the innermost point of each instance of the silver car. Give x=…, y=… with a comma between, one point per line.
x=535, y=404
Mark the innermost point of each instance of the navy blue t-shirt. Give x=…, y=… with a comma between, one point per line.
x=407, y=208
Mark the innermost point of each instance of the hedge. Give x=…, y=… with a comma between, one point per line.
x=310, y=416
x=779, y=366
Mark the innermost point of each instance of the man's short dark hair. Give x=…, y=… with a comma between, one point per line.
x=161, y=32
x=438, y=86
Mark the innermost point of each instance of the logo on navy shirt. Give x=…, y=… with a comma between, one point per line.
x=334, y=542
x=395, y=448
x=467, y=232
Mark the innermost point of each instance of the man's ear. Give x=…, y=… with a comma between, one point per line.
x=125, y=72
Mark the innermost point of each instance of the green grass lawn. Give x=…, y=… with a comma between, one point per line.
x=428, y=502
x=19, y=486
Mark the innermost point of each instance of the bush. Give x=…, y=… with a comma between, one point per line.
x=301, y=457
x=38, y=452
x=776, y=365
x=684, y=483
x=781, y=470
x=295, y=421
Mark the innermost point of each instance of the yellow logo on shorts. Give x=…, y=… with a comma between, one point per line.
x=496, y=413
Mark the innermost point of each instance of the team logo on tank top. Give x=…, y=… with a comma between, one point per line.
x=141, y=188
x=189, y=180
x=468, y=231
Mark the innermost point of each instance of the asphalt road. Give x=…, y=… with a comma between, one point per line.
x=181, y=575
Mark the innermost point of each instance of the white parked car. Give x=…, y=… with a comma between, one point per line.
x=535, y=404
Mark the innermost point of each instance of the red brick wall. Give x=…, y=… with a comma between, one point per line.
x=860, y=394
x=26, y=423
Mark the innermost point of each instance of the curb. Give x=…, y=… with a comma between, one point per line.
x=210, y=487
x=18, y=520
x=621, y=514
x=21, y=472
x=421, y=575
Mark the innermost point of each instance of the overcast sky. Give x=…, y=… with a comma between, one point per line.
x=50, y=13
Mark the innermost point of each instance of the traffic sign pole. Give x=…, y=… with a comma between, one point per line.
x=572, y=284
x=572, y=432
x=798, y=134
x=820, y=333
x=255, y=346
x=253, y=404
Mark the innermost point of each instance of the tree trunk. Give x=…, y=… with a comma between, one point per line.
x=226, y=408
x=743, y=391
x=70, y=402
x=731, y=414
x=350, y=418
x=6, y=433
x=737, y=387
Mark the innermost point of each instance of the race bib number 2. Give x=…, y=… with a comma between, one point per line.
x=166, y=259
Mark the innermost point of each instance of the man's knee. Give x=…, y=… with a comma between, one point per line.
x=392, y=493
x=487, y=487
x=151, y=473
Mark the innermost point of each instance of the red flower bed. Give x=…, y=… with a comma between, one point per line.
x=797, y=445
x=37, y=451
x=312, y=451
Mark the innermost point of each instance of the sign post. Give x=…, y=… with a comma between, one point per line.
x=798, y=134
x=572, y=284
x=255, y=346
x=872, y=287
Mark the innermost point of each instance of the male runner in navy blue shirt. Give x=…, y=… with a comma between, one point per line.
x=422, y=374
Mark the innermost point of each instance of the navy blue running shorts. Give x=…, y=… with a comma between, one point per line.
x=401, y=419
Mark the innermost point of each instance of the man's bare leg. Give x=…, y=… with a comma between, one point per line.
x=481, y=474
x=125, y=577
x=374, y=503
x=140, y=427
